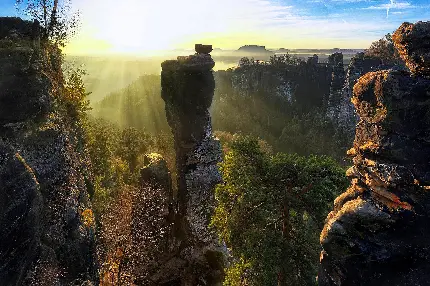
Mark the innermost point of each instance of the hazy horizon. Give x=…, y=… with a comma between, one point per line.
x=148, y=27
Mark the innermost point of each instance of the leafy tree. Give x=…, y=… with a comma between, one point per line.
x=284, y=60
x=271, y=209
x=385, y=50
x=74, y=96
x=56, y=20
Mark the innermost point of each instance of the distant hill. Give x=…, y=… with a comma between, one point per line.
x=254, y=49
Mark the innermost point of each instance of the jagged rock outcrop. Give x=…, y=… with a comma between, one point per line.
x=313, y=60
x=412, y=42
x=47, y=225
x=335, y=61
x=187, y=89
x=306, y=85
x=249, y=80
x=377, y=233
x=341, y=110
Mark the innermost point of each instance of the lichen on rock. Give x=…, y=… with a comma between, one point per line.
x=377, y=233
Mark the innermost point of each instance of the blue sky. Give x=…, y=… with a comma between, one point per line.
x=7, y=8
x=165, y=24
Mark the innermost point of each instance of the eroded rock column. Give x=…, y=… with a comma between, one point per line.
x=188, y=88
x=378, y=232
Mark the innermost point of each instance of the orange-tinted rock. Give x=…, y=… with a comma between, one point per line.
x=377, y=233
x=413, y=43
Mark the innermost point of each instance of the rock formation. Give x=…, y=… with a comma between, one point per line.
x=313, y=60
x=203, y=49
x=187, y=89
x=377, y=233
x=335, y=62
x=47, y=225
x=341, y=110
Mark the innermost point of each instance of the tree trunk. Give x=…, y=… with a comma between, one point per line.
x=53, y=20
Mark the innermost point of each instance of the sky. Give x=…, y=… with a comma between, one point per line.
x=149, y=26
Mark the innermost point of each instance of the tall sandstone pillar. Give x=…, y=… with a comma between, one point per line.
x=188, y=88
x=378, y=232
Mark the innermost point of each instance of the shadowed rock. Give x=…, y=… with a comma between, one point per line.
x=187, y=89
x=203, y=49
x=377, y=233
x=47, y=226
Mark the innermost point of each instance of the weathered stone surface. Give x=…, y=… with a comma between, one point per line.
x=377, y=233
x=187, y=89
x=24, y=89
x=198, y=62
x=341, y=110
x=413, y=43
x=47, y=227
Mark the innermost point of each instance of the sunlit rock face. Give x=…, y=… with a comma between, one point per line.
x=47, y=226
x=378, y=232
x=341, y=110
x=187, y=89
x=413, y=41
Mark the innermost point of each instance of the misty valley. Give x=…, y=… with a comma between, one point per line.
x=216, y=166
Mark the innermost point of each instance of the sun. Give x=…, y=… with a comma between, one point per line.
x=132, y=26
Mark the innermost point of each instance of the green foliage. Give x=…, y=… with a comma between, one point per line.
x=385, y=50
x=284, y=60
x=116, y=156
x=74, y=97
x=58, y=23
x=295, y=124
x=271, y=209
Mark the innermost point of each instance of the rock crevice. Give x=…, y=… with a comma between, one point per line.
x=188, y=88
x=377, y=233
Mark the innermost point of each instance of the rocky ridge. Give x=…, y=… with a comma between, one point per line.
x=377, y=234
x=47, y=234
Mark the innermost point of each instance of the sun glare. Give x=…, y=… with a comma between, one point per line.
x=150, y=26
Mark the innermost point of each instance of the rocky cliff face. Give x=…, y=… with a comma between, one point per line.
x=335, y=61
x=47, y=226
x=341, y=110
x=187, y=89
x=377, y=233
x=306, y=85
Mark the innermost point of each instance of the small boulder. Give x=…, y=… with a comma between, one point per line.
x=203, y=49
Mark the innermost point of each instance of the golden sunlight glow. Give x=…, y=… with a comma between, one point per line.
x=150, y=26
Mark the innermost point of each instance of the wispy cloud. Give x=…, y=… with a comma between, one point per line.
x=153, y=24
x=393, y=5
